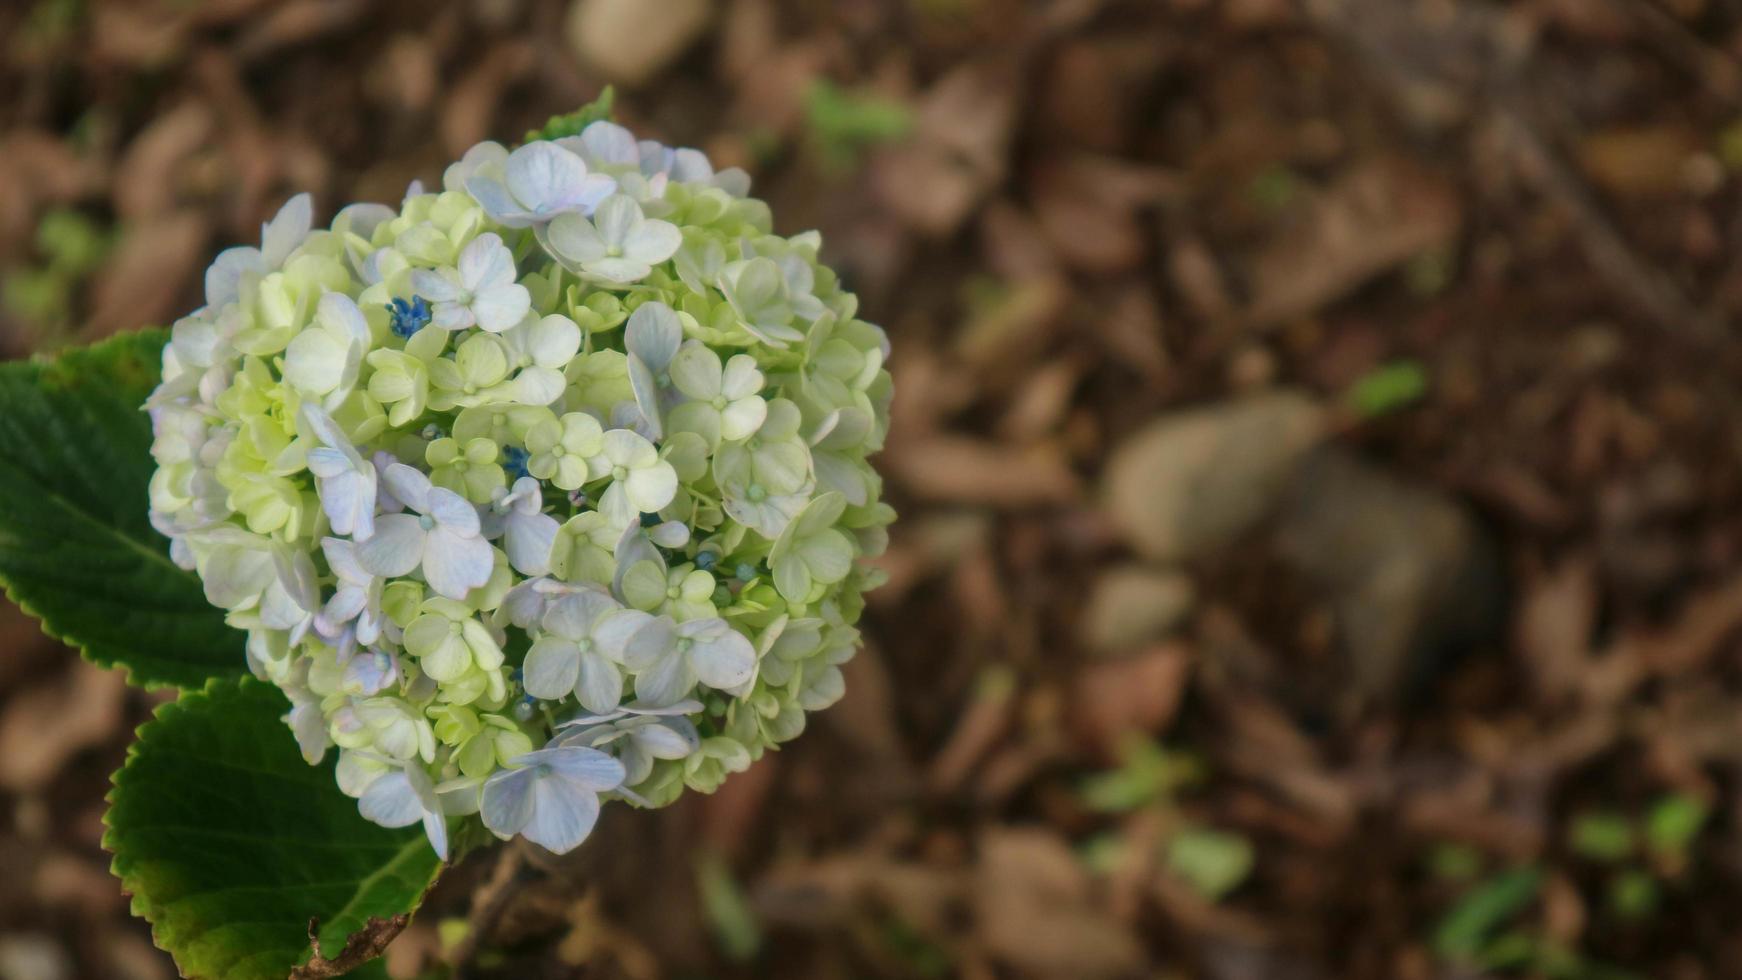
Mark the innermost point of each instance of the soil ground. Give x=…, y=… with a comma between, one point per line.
x=1450, y=686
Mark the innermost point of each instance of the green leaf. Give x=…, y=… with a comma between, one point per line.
x=1212, y=862
x=572, y=123
x=1602, y=836
x=230, y=843
x=1673, y=823
x=1388, y=389
x=1463, y=933
x=76, y=547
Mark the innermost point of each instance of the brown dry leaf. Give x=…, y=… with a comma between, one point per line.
x=297, y=22
x=1041, y=404
x=1089, y=207
x=469, y=109
x=1641, y=161
x=980, y=726
x=866, y=715
x=1374, y=218
x=730, y=815
x=148, y=274
x=1015, y=248
x=147, y=176
x=1554, y=625
x=1034, y=910
x=38, y=169
x=630, y=41
x=1005, y=333
x=1132, y=329
x=832, y=887
x=958, y=152
x=41, y=728
x=139, y=35
x=1112, y=699
x=1697, y=633
x=962, y=469
x=72, y=881
x=1194, y=272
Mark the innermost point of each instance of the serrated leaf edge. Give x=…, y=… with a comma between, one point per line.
x=139, y=904
x=107, y=663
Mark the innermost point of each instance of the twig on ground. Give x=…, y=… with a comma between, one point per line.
x=488, y=903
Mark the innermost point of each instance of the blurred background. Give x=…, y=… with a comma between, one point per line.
x=1317, y=444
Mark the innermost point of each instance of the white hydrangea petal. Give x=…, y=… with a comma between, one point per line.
x=828, y=555
x=741, y=377
x=455, y=564
x=573, y=238
x=563, y=814
x=724, y=662
x=652, y=241
x=485, y=158
x=538, y=386
x=618, y=270
x=696, y=371
x=551, y=669
x=665, y=680
x=554, y=341
x=667, y=741
x=395, y=548
x=653, y=640
x=543, y=177
x=408, y=485
x=224, y=276
x=651, y=488
x=435, y=827
x=742, y=418
x=453, y=512
x=498, y=202
x=314, y=361
x=613, y=631
x=573, y=615
x=501, y=307
x=670, y=534
x=615, y=217
x=434, y=286
x=585, y=767
x=391, y=801
x=486, y=263
x=601, y=684
x=528, y=542
x=646, y=392
x=610, y=144
x=507, y=801
x=348, y=499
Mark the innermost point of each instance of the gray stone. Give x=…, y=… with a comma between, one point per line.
x=1190, y=482
x=1411, y=578
x=1132, y=605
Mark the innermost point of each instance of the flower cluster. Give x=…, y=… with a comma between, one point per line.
x=545, y=489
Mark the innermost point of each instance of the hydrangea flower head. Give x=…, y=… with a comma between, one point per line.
x=546, y=489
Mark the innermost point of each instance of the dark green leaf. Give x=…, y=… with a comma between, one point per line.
x=1464, y=931
x=76, y=547
x=230, y=843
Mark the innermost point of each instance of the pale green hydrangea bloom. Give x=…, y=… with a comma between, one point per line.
x=544, y=489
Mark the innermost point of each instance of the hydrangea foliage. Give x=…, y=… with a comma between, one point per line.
x=546, y=489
